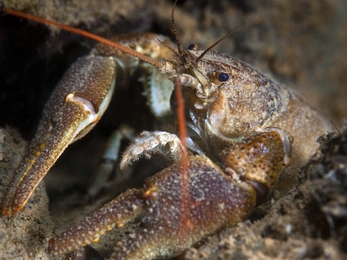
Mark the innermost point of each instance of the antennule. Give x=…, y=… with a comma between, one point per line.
x=174, y=31
x=214, y=44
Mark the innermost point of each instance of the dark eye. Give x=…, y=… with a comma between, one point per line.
x=193, y=47
x=223, y=77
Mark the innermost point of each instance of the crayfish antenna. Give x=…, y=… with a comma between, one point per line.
x=155, y=63
x=182, y=130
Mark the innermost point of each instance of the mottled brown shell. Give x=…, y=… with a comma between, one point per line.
x=232, y=110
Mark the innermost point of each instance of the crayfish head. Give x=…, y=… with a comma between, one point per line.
x=230, y=97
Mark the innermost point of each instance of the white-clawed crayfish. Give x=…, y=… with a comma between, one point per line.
x=241, y=127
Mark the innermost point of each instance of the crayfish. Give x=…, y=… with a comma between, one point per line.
x=243, y=131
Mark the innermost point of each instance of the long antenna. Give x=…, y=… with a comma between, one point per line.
x=182, y=129
x=117, y=46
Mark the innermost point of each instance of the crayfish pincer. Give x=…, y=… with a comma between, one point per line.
x=219, y=197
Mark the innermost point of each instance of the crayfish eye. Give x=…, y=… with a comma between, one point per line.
x=223, y=77
x=193, y=47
